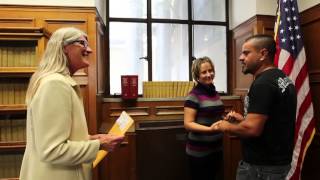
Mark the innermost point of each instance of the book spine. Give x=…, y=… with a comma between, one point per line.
x=125, y=89
x=133, y=87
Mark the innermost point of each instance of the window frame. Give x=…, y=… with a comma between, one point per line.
x=148, y=21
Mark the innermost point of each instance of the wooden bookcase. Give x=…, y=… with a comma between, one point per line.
x=20, y=49
x=24, y=32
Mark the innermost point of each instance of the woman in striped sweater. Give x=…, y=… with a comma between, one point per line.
x=203, y=107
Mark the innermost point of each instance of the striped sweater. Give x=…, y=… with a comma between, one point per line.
x=209, y=106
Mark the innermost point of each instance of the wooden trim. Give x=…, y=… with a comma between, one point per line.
x=169, y=110
x=21, y=32
x=39, y=8
x=132, y=111
x=30, y=21
x=17, y=70
x=12, y=107
x=71, y=21
x=12, y=146
x=310, y=15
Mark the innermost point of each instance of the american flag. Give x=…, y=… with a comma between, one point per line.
x=291, y=58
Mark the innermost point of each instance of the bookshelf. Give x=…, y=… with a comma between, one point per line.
x=167, y=89
x=29, y=27
x=19, y=54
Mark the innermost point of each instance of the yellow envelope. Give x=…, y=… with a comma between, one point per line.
x=120, y=127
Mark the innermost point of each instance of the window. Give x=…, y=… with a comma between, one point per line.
x=158, y=39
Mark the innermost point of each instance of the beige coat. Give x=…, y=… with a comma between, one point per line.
x=57, y=135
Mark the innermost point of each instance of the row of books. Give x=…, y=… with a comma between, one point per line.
x=166, y=89
x=13, y=91
x=18, y=57
x=13, y=129
x=10, y=165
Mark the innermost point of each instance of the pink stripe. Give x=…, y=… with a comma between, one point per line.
x=203, y=97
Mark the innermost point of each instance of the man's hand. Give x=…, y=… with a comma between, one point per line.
x=234, y=117
x=220, y=126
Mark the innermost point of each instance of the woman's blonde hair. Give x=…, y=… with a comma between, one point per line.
x=53, y=60
x=196, y=64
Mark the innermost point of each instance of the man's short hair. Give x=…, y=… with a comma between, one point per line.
x=261, y=41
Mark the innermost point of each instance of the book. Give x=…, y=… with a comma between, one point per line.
x=129, y=86
x=145, y=89
x=120, y=127
x=133, y=86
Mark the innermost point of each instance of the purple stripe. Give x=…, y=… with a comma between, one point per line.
x=204, y=98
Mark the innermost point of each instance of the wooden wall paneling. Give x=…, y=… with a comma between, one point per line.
x=315, y=89
x=92, y=72
x=310, y=21
x=120, y=164
x=101, y=57
x=16, y=22
x=101, y=73
x=310, y=25
x=231, y=144
x=260, y=24
x=84, y=92
x=240, y=82
x=169, y=110
x=149, y=115
x=265, y=24
x=160, y=150
x=231, y=155
x=132, y=111
x=54, y=24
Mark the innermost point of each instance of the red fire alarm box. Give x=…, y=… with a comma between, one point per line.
x=129, y=86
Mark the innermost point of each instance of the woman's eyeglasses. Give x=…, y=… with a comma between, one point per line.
x=81, y=42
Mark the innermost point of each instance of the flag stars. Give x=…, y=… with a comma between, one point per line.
x=289, y=35
x=281, y=31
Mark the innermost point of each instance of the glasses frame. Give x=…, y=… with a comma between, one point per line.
x=83, y=43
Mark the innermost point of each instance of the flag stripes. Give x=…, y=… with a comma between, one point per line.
x=291, y=58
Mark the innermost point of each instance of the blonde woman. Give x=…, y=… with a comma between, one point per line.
x=202, y=109
x=58, y=143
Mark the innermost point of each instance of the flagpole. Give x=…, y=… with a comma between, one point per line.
x=277, y=22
